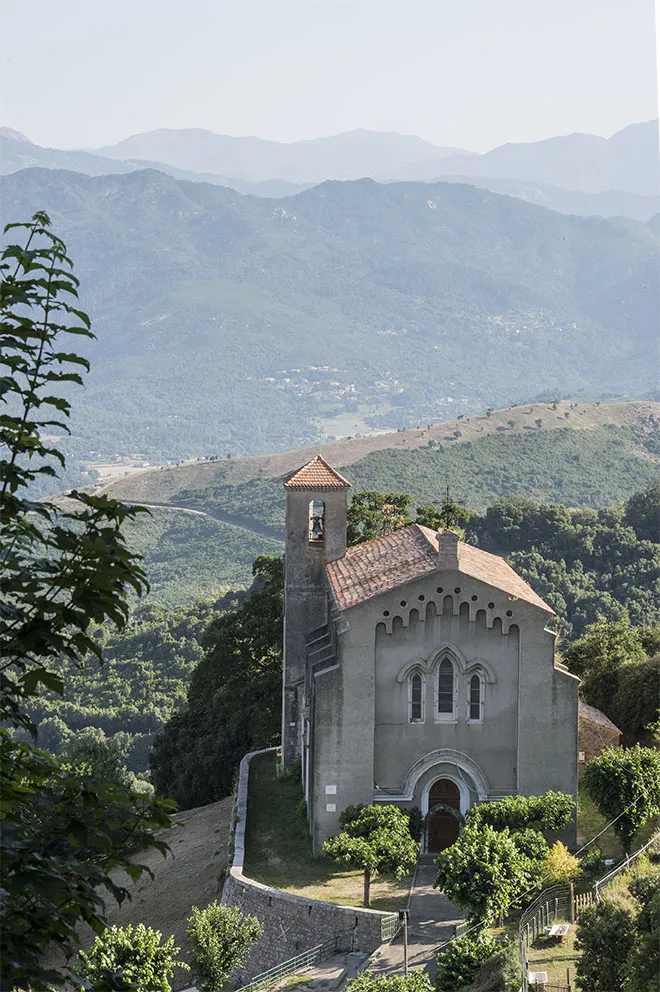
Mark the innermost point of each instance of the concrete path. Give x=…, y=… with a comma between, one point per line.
x=432, y=921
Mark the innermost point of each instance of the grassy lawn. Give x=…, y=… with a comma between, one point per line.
x=278, y=847
x=555, y=958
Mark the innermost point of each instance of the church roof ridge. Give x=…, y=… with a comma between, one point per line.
x=317, y=473
x=377, y=566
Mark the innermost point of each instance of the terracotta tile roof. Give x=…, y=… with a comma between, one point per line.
x=377, y=566
x=316, y=474
x=593, y=715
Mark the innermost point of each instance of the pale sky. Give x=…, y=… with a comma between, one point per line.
x=468, y=73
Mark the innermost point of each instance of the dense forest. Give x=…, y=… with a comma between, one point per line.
x=209, y=673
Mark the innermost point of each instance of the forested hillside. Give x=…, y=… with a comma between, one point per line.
x=232, y=323
x=586, y=563
x=190, y=554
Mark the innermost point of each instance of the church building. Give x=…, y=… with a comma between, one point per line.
x=418, y=670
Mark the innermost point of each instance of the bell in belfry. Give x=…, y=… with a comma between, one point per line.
x=317, y=528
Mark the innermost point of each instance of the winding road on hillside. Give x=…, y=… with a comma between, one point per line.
x=222, y=518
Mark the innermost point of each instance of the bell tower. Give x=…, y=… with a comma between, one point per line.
x=315, y=535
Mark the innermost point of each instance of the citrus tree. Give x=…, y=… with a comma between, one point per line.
x=486, y=869
x=220, y=939
x=375, y=839
x=137, y=956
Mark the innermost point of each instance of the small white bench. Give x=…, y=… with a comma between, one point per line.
x=557, y=930
x=537, y=978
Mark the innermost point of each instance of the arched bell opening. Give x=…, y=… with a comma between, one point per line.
x=317, y=522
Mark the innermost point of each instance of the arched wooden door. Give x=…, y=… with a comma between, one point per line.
x=443, y=828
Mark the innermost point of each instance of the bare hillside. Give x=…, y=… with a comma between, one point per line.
x=161, y=485
x=188, y=876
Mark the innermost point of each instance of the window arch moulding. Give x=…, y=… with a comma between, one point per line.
x=480, y=667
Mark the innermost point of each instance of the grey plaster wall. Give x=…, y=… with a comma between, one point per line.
x=291, y=924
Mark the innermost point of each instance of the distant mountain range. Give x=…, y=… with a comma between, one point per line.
x=580, y=173
x=352, y=155
x=245, y=324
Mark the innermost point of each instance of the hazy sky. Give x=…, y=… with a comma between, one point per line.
x=470, y=73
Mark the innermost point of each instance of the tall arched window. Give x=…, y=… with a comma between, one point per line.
x=475, y=699
x=416, y=698
x=445, y=690
x=317, y=522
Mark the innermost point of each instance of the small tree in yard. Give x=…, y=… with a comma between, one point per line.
x=560, y=864
x=136, y=957
x=375, y=839
x=486, y=869
x=551, y=811
x=625, y=783
x=220, y=939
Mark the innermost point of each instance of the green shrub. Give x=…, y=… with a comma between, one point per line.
x=501, y=973
x=459, y=964
x=220, y=940
x=606, y=936
x=643, y=964
x=366, y=981
x=137, y=953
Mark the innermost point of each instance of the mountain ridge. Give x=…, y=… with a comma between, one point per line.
x=227, y=322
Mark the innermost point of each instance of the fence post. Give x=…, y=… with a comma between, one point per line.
x=572, y=903
x=556, y=913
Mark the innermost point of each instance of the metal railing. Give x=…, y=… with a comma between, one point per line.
x=300, y=962
x=629, y=860
x=389, y=927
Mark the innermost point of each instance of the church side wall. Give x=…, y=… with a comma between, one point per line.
x=548, y=717
x=343, y=733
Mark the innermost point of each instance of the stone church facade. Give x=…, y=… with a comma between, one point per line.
x=418, y=670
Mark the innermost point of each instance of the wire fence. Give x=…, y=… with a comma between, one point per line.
x=560, y=902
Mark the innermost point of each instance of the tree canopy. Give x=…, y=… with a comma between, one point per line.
x=625, y=785
x=234, y=699
x=377, y=840
x=65, y=569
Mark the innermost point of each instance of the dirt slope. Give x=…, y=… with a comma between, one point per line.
x=162, y=485
x=188, y=876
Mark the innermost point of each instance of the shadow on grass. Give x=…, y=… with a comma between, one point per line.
x=278, y=846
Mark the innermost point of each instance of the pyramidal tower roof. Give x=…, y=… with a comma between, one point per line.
x=316, y=474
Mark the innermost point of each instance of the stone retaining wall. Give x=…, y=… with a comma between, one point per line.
x=291, y=924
